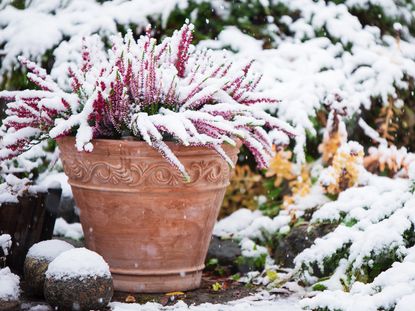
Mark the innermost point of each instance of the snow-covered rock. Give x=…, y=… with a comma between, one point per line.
x=48, y=250
x=78, y=263
x=37, y=262
x=80, y=279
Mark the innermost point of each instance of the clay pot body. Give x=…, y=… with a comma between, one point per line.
x=151, y=227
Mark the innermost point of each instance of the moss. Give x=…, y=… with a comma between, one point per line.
x=375, y=264
x=350, y=222
x=319, y=287
x=409, y=236
x=329, y=264
x=251, y=263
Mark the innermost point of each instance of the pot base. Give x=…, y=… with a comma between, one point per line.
x=157, y=283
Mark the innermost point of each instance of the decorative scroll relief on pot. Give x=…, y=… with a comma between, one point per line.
x=211, y=172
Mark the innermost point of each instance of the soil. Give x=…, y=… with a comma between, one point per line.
x=230, y=290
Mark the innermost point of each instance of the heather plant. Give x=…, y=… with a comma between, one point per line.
x=155, y=92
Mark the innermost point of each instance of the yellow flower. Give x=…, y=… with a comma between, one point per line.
x=344, y=170
x=281, y=167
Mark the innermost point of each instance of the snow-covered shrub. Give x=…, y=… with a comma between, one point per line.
x=393, y=289
x=360, y=47
x=389, y=159
x=156, y=92
x=325, y=49
x=344, y=170
x=375, y=233
x=21, y=175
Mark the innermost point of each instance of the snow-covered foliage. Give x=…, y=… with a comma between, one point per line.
x=59, y=26
x=12, y=187
x=78, y=263
x=317, y=47
x=329, y=62
x=393, y=289
x=18, y=176
x=369, y=253
x=253, y=225
x=154, y=92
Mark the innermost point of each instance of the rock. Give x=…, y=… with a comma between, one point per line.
x=90, y=293
x=37, y=262
x=78, y=279
x=9, y=305
x=225, y=251
x=9, y=290
x=68, y=210
x=299, y=238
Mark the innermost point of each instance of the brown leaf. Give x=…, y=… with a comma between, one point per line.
x=130, y=299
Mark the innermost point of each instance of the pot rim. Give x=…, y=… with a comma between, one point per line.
x=115, y=146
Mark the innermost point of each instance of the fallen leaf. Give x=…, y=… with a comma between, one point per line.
x=130, y=299
x=216, y=287
x=175, y=294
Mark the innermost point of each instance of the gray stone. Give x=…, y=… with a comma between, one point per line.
x=87, y=293
x=225, y=251
x=299, y=238
x=67, y=209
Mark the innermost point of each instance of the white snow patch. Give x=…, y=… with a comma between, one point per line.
x=50, y=179
x=253, y=303
x=73, y=231
x=9, y=285
x=5, y=243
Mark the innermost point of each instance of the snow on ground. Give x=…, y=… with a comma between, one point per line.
x=9, y=285
x=64, y=229
x=253, y=303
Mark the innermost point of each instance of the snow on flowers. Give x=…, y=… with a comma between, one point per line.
x=153, y=91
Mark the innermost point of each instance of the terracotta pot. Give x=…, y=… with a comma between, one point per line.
x=151, y=227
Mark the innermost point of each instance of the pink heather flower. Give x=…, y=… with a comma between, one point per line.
x=156, y=92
